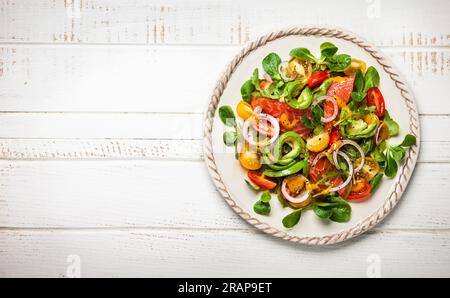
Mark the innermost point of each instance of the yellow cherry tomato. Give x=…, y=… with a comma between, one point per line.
x=244, y=110
x=250, y=159
x=295, y=184
x=299, y=69
x=318, y=143
x=354, y=66
x=369, y=170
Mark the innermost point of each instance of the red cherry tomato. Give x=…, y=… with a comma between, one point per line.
x=317, y=78
x=262, y=181
x=335, y=135
x=362, y=194
x=375, y=98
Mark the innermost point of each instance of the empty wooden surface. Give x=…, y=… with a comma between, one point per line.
x=100, y=124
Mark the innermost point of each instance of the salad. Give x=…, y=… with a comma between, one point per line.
x=314, y=131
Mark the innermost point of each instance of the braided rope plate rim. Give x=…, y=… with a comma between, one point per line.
x=403, y=175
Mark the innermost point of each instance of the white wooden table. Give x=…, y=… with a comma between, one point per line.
x=101, y=111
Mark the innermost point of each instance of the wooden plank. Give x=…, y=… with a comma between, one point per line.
x=13, y=149
x=156, y=253
x=141, y=126
x=141, y=79
x=217, y=22
x=119, y=149
x=161, y=194
x=94, y=126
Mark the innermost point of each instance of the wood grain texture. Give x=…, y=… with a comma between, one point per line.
x=217, y=22
x=123, y=149
x=92, y=140
x=92, y=194
x=140, y=79
x=194, y=253
x=142, y=126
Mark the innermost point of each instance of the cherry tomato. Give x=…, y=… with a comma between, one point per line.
x=250, y=159
x=375, y=98
x=342, y=88
x=335, y=135
x=264, y=85
x=369, y=170
x=360, y=191
x=317, y=78
x=299, y=70
x=259, y=179
x=318, y=143
x=354, y=66
x=295, y=184
x=244, y=110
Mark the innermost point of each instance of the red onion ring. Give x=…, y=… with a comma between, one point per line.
x=350, y=175
x=376, y=137
x=335, y=107
x=354, y=144
x=272, y=120
x=299, y=198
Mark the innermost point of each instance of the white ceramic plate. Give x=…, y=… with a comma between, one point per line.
x=228, y=175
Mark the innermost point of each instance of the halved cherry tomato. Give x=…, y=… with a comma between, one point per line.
x=342, y=88
x=360, y=191
x=369, y=170
x=264, y=85
x=262, y=181
x=295, y=184
x=250, y=159
x=317, y=78
x=318, y=143
x=335, y=135
x=244, y=110
x=375, y=98
x=354, y=66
